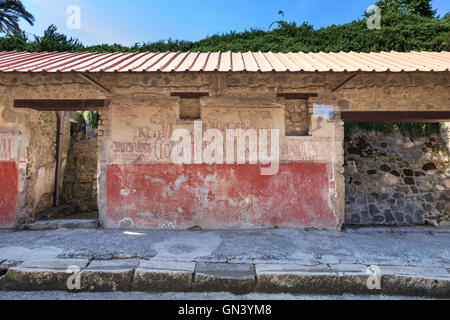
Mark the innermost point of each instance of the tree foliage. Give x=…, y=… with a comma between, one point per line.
x=412, y=129
x=52, y=40
x=11, y=11
x=406, y=25
x=406, y=7
x=91, y=118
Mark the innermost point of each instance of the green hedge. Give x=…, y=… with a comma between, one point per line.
x=411, y=129
x=399, y=32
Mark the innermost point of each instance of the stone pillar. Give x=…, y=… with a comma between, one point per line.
x=338, y=174
x=104, y=125
x=445, y=133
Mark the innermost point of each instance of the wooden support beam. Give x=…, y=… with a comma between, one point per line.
x=95, y=83
x=189, y=95
x=296, y=95
x=62, y=105
x=343, y=83
x=395, y=116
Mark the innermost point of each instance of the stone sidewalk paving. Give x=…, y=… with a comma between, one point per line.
x=401, y=261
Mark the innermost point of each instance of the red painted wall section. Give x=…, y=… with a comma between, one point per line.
x=8, y=193
x=219, y=196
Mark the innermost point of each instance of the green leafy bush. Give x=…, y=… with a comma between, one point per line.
x=91, y=118
x=406, y=128
x=400, y=31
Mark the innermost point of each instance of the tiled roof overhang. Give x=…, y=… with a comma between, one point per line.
x=88, y=62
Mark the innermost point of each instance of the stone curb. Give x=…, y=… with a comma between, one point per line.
x=320, y=279
x=108, y=275
x=235, y=278
x=163, y=276
x=354, y=279
x=48, y=275
x=181, y=276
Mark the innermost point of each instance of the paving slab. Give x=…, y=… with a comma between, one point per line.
x=415, y=271
x=164, y=275
x=17, y=253
x=348, y=268
x=225, y=277
x=41, y=275
x=52, y=264
x=407, y=246
x=108, y=275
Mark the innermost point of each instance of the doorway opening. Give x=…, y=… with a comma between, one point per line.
x=64, y=186
x=79, y=182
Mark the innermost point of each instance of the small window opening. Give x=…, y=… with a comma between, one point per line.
x=297, y=118
x=190, y=109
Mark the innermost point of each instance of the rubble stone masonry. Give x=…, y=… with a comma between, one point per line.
x=395, y=179
x=79, y=187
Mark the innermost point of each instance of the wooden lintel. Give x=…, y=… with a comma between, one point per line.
x=62, y=105
x=395, y=116
x=189, y=95
x=296, y=95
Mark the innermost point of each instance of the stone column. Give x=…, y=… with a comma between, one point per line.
x=445, y=133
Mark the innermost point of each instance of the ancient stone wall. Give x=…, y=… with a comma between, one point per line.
x=141, y=106
x=79, y=187
x=41, y=160
x=394, y=179
x=445, y=134
x=145, y=189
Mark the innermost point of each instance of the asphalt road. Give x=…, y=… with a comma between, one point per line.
x=52, y=295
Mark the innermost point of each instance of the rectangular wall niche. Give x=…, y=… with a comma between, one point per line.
x=296, y=118
x=190, y=109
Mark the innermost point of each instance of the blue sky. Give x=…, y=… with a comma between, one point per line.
x=130, y=21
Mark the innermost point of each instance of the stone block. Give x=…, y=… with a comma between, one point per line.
x=42, y=275
x=352, y=278
x=318, y=279
x=161, y=275
x=108, y=275
x=415, y=281
x=225, y=277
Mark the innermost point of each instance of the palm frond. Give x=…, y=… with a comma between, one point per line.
x=11, y=11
